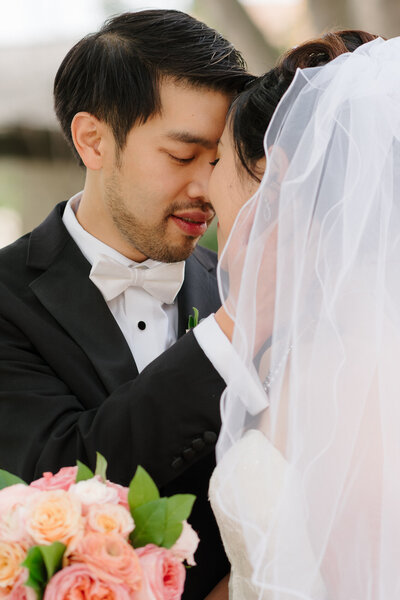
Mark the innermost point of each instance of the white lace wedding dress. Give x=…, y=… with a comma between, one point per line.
x=251, y=475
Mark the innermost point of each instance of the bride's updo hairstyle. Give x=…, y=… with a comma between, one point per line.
x=253, y=109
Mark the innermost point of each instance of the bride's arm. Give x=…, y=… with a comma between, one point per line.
x=220, y=592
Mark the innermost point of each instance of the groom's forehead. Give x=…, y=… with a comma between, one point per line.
x=192, y=114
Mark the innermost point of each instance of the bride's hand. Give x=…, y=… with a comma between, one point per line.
x=220, y=592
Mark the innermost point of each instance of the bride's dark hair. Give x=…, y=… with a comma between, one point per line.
x=253, y=109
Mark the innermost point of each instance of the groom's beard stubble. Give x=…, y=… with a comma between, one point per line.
x=151, y=239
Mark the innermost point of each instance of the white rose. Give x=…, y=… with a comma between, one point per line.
x=94, y=491
x=13, y=501
x=12, y=525
x=186, y=545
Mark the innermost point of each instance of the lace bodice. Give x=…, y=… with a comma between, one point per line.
x=251, y=475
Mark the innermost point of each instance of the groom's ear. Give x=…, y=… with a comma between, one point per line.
x=90, y=137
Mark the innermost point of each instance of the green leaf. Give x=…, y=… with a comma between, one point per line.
x=7, y=479
x=179, y=508
x=36, y=586
x=150, y=523
x=37, y=578
x=83, y=473
x=160, y=522
x=172, y=532
x=142, y=489
x=42, y=562
x=101, y=466
x=52, y=557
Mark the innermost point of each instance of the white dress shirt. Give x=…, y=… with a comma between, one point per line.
x=149, y=326
x=226, y=361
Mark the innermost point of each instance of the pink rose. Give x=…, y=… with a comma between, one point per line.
x=78, y=581
x=163, y=574
x=109, y=558
x=122, y=493
x=60, y=481
x=186, y=545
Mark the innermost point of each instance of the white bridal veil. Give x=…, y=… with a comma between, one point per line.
x=311, y=276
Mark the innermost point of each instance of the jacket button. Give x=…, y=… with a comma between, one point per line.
x=189, y=454
x=177, y=463
x=198, y=444
x=210, y=437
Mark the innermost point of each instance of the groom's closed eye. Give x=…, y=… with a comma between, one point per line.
x=181, y=160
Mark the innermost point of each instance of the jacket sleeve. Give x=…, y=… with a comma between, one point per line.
x=165, y=419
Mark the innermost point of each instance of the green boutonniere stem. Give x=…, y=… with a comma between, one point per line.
x=193, y=319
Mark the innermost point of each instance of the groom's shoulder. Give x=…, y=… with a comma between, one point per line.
x=207, y=258
x=17, y=257
x=15, y=275
x=14, y=254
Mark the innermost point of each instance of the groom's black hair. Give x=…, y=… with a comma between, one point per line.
x=114, y=74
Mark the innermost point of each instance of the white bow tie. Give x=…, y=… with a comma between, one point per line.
x=162, y=281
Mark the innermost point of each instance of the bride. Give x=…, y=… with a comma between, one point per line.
x=307, y=487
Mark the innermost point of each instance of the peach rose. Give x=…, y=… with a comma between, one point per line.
x=60, y=481
x=13, y=500
x=109, y=558
x=77, y=581
x=19, y=591
x=11, y=557
x=186, y=545
x=54, y=516
x=163, y=574
x=110, y=518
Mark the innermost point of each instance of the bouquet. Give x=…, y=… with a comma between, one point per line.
x=76, y=535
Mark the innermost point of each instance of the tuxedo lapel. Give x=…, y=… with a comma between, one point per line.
x=65, y=290
x=199, y=289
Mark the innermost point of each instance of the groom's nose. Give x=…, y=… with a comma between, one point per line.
x=198, y=185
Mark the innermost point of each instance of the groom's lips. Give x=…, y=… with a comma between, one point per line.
x=193, y=223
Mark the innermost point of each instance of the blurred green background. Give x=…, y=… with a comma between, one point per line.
x=37, y=169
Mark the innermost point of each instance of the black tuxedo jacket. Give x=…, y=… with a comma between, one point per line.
x=69, y=385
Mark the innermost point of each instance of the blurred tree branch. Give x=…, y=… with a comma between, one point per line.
x=381, y=17
x=327, y=15
x=231, y=19
x=377, y=16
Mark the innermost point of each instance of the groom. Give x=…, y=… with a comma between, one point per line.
x=93, y=301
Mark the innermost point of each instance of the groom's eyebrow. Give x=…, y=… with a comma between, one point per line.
x=190, y=138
